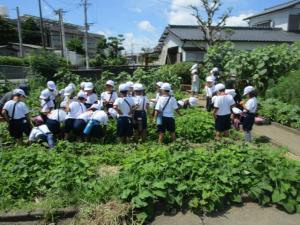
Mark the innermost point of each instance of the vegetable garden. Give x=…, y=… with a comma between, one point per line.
x=138, y=180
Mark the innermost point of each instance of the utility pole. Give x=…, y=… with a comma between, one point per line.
x=86, y=28
x=20, y=33
x=42, y=25
x=64, y=51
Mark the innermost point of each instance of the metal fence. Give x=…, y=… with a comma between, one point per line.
x=13, y=72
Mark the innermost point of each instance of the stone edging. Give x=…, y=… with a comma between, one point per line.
x=37, y=214
x=295, y=131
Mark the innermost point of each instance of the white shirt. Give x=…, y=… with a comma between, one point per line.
x=76, y=108
x=58, y=115
x=169, y=108
x=157, y=96
x=141, y=101
x=86, y=116
x=36, y=131
x=123, y=106
x=20, y=110
x=195, y=79
x=91, y=99
x=251, y=105
x=108, y=97
x=47, y=99
x=223, y=103
x=100, y=116
x=209, y=91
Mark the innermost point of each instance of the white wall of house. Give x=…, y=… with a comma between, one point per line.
x=279, y=19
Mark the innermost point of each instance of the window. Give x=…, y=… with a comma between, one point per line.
x=266, y=24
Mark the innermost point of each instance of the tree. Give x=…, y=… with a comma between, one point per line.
x=75, y=45
x=149, y=55
x=31, y=32
x=211, y=26
x=8, y=31
x=115, y=46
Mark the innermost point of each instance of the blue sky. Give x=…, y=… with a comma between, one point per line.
x=141, y=21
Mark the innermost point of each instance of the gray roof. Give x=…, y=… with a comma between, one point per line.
x=247, y=34
x=275, y=8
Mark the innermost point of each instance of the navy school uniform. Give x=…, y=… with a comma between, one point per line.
x=140, y=114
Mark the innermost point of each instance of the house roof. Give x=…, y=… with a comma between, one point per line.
x=247, y=34
x=276, y=8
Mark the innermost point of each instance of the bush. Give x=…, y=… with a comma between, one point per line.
x=287, y=89
x=280, y=112
x=205, y=180
x=46, y=63
x=11, y=60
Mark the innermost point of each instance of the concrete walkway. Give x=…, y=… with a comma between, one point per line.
x=280, y=136
x=249, y=214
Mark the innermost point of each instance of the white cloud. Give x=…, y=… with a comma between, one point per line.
x=180, y=12
x=146, y=26
x=137, y=43
x=238, y=20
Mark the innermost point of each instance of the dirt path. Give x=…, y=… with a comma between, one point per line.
x=280, y=136
x=249, y=214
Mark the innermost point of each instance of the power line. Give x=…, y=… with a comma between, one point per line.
x=50, y=6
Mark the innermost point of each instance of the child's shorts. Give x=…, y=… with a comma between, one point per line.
x=17, y=127
x=79, y=126
x=248, y=121
x=124, y=126
x=140, y=117
x=53, y=125
x=97, y=131
x=69, y=125
x=168, y=124
x=223, y=123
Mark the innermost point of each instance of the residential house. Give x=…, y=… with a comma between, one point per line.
x=285, y=16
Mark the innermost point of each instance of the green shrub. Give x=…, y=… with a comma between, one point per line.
x=287, y=89
x=207, y=180
x=280, y=112
x=11, y=60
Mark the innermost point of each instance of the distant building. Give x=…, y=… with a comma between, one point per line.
x=285, y=16
x=13, y=49
x=181, y=43
x=71, y=31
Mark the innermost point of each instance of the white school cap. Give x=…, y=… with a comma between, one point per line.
x=215, y=69
x=123, y=87
x=68, y=91
x=195, y=71
x=219, y=87
x=138, y=87
x=159, y=83
x=110, y=83
x=51, y=85
x=194, y=67
x=45, y=94
x=82, y=84
x=166, y=87
x=236, y=110
x=72, y=85
x=230, y=92
x=248, y=89
x=19, y=91
x=210, y=79
x=130, y=84
x=81, y=95
x=88, y=86
x=152, y=105
x=193, y=101
x=113, y=112
x=181, y=103
x=63, y=104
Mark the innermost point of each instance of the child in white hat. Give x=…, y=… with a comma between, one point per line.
x=164, y=113
x=209, y=92
x=109, y=96
x=47, y=98
x=222, y=111
x=91, y=96
x=140, y=113
x=195, y=82
x=250, y=109
x=124, y=105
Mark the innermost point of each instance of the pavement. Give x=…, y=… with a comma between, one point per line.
x=249, y=214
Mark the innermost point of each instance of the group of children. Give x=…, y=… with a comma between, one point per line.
x=228, y=107
x=85, y=115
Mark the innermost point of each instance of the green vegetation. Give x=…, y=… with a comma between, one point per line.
x=277, y=111
x=75, y=45
x=11, y=60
